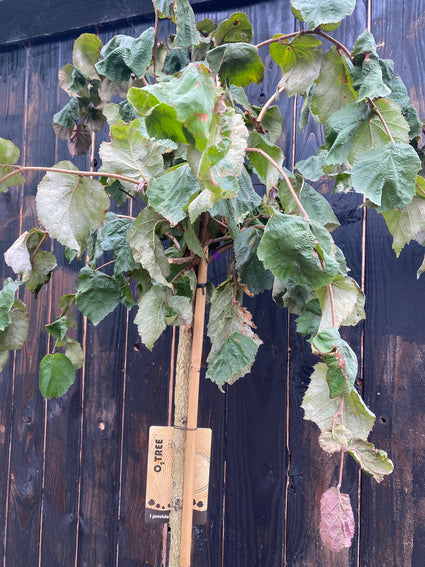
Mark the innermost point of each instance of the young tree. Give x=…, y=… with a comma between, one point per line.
x=184, y=144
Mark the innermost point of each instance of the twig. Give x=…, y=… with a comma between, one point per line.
x=39, y=245
x=285, y=177
x=20, y=168
x=220, y=250
x=173, y=239
x=126, y=217
x=341, y=462
x=331, y=299
x=332, y=40
x=218, y=239
x=104, y=265
x=280, y=39
x=381, y=118
x=155, y=44
x=184, y=260
x=267, y=104
x=223, y=224
x=420, y=189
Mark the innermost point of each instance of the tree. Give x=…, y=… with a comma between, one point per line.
x=184, y=143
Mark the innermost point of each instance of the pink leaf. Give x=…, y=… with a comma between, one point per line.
x=337, y=520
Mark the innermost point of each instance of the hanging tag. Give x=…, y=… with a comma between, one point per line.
x=159, y=483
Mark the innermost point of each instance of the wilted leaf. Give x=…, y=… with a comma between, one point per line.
x=373, y=461
x=74, y=352
x=79, y=141
x=17, y=256
x=337, y=520
x=70, y=206
x=146, y=245
x=57, y=375
x=335, y=438
x=348, y=303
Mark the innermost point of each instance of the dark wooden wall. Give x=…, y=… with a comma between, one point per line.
x=72, y=471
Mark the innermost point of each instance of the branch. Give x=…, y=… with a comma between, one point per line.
x=39, y=245
x=155, y=43
x=285, y=177
x=20, y=168
x=318, y=32
x=267, y=104
x=341, y=462
x=331, y=299
x=381, y=118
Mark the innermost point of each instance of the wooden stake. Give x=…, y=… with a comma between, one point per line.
x=192, y=415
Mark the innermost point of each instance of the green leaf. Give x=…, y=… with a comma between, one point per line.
x=180, y=109
x=70, y=206
x=333, y=88
x=407, y=224
x=187, y=34
x=112, y=235
x=234, y=343
x=7, y=299
x=347, y=303
x=236, y=63
x=16, y=332
x=66, y=118
x=233, y=361
x=200, y=204
x=251, y=270
x=86, y=54
x=318, y=12
x=372, y=133
x=4, y=359
x=387, y=175
x=192, y=240
x=340, y=359
x=300, y=62
x=175, y=60
x=367, y=71
x=165, y=8
x=272, y=123
x=400, y=95
x=322, y=409
x=56, y=375
x=156, y=309
x=124, y=55
x=169, y=194
x=131, y=154
x=43, y=264
x=340, y=131
x=308, y=321
x=236, y=29
x=266, y=171
x=74, y=352
x=146, y=245
x=9, y=155
x=290, y=250
x=97, y=294
x=58, y=328
x=373, y=461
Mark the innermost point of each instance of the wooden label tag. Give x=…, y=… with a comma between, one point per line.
x=159, y=479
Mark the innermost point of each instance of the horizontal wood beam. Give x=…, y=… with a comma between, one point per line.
x=21, y=20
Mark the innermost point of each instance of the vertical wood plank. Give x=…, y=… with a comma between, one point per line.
x=26, y=471
x=63, y=426
x=393, y=512
x=312, y=471
x=12, y=96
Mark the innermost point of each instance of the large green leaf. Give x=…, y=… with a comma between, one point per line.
x=322, y=409
x=57, y=375
x=124, y=55
x=112, y=235
x=235, y=29
x=131, y=154
x=347, y=303
x=86, y=54
x=340, y=359
x=7, y=299
x=236, y=63
x=97, y=294
x=340, y=131
x=146, y=245
x=290, y=250
x=9, y=155
x=372, y=133
x=169, y=194
x=318, y=12
x=407, y=224
x=333, y=88
x=387, y=175
x=180, y=109
x=367, y=74
x=187, y=34
x=158, y=308
x=70, y=206
x=400, y=95
x=300, y=62
x=230, y=329
x=251, y=270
